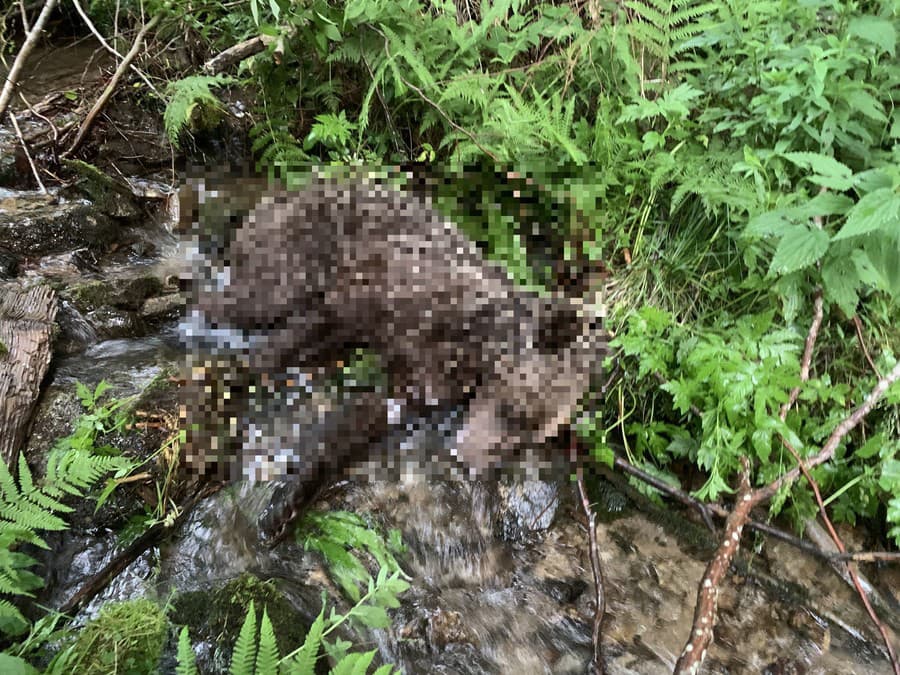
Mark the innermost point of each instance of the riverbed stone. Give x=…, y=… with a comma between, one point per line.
x=55, y=228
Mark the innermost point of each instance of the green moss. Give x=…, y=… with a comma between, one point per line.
x=126, y=637
x=3, y=349
x=217, y=615
x=112, y=196
x=123, y=293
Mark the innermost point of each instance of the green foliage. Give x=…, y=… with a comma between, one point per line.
x=666, y=28
x=256, y=650
x=337, y=534
x=727, y=382
x=186, y=660
x=192, y=105
x=724, y=159
x=29, y=507
x=125, y=637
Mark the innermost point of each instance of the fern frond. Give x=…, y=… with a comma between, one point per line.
x=267, y=656
x=664, y=28
x=244, y=656
x=186, y=95
x=304, y=660
x=12, y=621
x=187, y=661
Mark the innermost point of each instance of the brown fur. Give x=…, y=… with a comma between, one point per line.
x=333, y=267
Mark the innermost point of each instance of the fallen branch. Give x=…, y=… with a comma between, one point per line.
x=708, y=594
x=237, y=53
x=705, y=614
x=763, y=528
x=108, y=47
x=111, y=87
x=21, y=57
x=154, y=534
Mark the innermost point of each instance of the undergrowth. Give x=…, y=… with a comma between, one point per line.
x=724, y=160
x=29, y=507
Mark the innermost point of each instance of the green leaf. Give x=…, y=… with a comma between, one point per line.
x=890, y=476
x=766, y=224
x=305, y=659
x=871, y=447
x=14, y=665
x=354, y=664
x=372, y=616
x=878, y=210
x=823, y=204
x=267, y=656
x=828, y=171
x=840, y=281
x=800, y=247
x=874, y=29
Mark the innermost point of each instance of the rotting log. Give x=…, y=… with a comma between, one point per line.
x=26, y=324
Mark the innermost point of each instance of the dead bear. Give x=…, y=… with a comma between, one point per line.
x=311, y=275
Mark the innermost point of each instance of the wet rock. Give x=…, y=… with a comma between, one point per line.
x=163, y=307
x=64, y=266
x=110, y=195
x=9, y=264
x=565, y=591
x=128, y=293
x=74, y=332
x=55, y=228
x=112, y=322
x=526, y=507
x=446, y=627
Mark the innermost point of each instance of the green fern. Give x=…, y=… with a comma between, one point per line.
x=336, y=535
x=28, y=508
x=187, y=662
x=267, y=655
x=188, y=96
x=244, y=656
x=664, y=28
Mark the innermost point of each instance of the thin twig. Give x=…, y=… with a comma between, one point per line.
x=41, y=117
x=34, y=170
x=27, y=46
x=111, y=87
x=440, y=111
x=596, y=665
x=811, y=336
x=110, y=48
x=845, y=427
x=862, y=344
x=25, y=25
x=851, y=567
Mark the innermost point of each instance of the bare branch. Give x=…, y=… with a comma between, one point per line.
x=21, y=57
x=111, y=87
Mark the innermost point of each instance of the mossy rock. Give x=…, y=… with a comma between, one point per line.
x=121, y=293
x=111, y=196
x=126, y=637
x=217, y=615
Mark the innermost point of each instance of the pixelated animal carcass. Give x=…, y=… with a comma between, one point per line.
x=310, y=275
